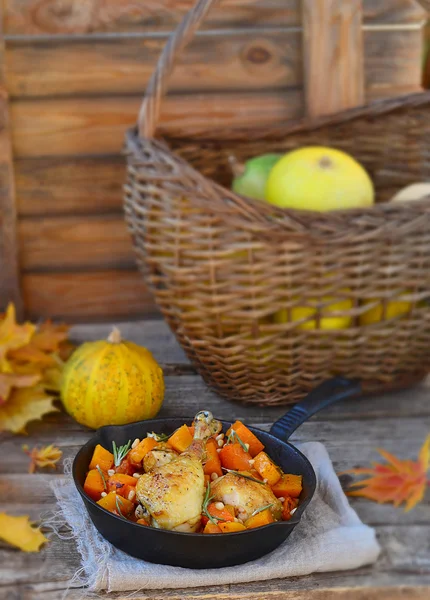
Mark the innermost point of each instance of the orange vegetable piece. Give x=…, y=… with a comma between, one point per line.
x=230, y=509
x=233, y=456
x=231, y=527
x=142, y=522
x=267, y=468
x=119, y=481
x=247, y=437
x=126, y=467
x=136, y=455
x=181, y=439
x=113, y=501
x=207, y=479
x=101, y=457
x=191, y=429
x=262, y=518
x=213, y=463
x=126, y=492
x=287, y=507
x=211, y=528
x=218, y=513
x=94, y=484
x=288, y=485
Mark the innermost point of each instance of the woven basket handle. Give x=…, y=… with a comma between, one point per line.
x=150, y=108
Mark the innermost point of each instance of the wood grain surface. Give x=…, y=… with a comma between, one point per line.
x=350, y=430
x=9, y=274
x=84, y=296
x=41, y=17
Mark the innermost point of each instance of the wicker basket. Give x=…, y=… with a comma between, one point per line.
x=221, y=266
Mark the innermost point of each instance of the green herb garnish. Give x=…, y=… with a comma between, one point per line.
x=117, y=502
x=259, y=510
x=102, y=476
x=120, y=453
x=244, y=476
x=233, y=436
x=159, y=437
x=206, y=500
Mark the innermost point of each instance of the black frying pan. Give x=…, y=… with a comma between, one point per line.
x=204, y=551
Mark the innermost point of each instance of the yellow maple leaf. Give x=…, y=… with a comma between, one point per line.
x=13, y=380
x=47, y=456
x=25, y=405
x=49, y=336
x=398, y=481
x=12, y=336
x=19, y=532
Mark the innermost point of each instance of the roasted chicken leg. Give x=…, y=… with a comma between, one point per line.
x=172, y=494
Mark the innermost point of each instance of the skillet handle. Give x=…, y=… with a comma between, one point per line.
x=326, y=393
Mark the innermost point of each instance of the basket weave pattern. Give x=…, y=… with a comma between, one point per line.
x=221, y=265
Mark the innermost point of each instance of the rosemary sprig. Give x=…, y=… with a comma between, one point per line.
x=206, y=500
x=159, y=437
x=117, y=502
x=233, y=436
x=259, y=510
x=244, y=476
x=120, y=453
x=102, y=476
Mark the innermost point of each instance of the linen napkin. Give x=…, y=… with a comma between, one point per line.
x=329, y=537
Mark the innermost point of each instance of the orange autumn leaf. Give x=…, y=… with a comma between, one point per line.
x=13, y=380
x=25, y=405
x=50, y=336
x=30, y=354
x=398, y=481
x=47, y=456
x=19, y=532
x=12, y=336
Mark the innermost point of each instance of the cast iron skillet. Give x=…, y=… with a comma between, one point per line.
x=203, y=551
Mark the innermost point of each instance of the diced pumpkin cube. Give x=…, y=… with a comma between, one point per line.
x=288, y=485
x=191, y=429
x=119, y=481
x=231, y=527
x=234, y=457
x=211, y=528
x=181, y=439
x=136, y=455
x=95, y=484
x=220, y=513
x=126, y=467
x=101, y=457
x=267, y=468
x=129, y=492
x=213, y=463
x=247, y=437
x=230, y=509
x=143, y=522
x=116, y=504
x=262, y=518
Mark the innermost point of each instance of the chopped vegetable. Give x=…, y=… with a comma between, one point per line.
x=211, y=528
x=144, y=522
x=267, y=468
x=126, y=467
x=220, y=514
x=213, y=463
x=247, y=437
x=119, y=481
x=138, y=454
x=233, y=456
x=112, y=502
x=181, y=439
x=261, y=518
x=289, y=505
x=101, y=457
x=288, y=485
x=231, y=527
x=95, y=484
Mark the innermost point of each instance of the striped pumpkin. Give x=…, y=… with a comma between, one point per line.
x=112, y=382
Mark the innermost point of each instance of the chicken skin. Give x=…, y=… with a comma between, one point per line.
x=172, y=494
x=245, y=495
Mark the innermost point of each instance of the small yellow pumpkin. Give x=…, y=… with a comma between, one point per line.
x=112, y=382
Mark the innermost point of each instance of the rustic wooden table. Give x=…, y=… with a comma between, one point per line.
x=350, y=430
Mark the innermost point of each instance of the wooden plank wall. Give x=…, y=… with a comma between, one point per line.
x=75, y=71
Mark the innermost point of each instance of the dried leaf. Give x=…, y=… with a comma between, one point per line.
x=52, y=379
x=401, y=481
x=31, y=354
x=47, y=456
x=25, y=405
x=12, y=336
x=13, y=380
x=49, y=336
x=19, y=532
